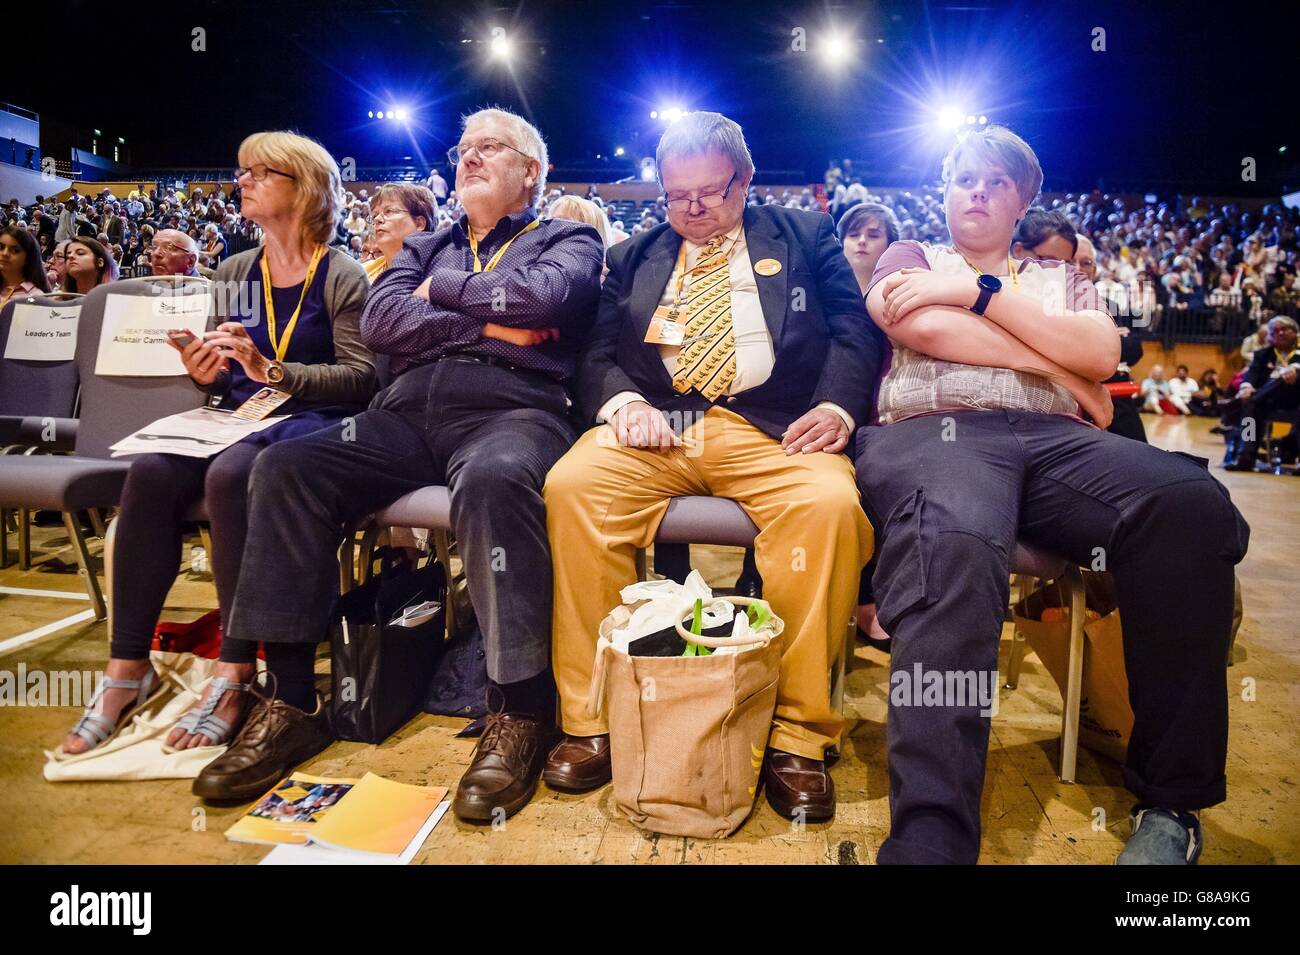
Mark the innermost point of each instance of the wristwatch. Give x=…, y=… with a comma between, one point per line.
x=275, y=371
x=988, y=285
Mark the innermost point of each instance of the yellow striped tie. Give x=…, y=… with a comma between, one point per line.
x=709, y=363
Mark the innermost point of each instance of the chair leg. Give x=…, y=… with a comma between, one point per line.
x=73, y=525
x=96, y=522
x=205, y=535
x=347, y=561
x=110, y=536
x=368, y=538
x=1016, y=658
x=1017, y=655
x=4, y=538
x=1074, y=678
x=838, y=670
x=442, y=551
x=642, y=573
x=24, y=539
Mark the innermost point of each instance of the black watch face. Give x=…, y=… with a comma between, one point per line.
x=990, y=283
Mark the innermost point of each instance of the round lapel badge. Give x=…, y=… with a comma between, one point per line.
x=767, y=266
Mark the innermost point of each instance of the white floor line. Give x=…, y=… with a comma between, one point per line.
x=25, y=638
x=28, y=592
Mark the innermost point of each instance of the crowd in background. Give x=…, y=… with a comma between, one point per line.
x=1160, y=256
x=1150, y=258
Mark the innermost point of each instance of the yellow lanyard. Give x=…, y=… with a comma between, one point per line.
x=12, y=292
x=1284, y=360
x=492, y=262
x=281, y=345
x=1011, y=269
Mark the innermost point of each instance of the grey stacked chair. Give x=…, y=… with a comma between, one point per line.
x=37, y=403
x=1029, y=563
x=722, y=522
x=110, y=409
x=428, y=508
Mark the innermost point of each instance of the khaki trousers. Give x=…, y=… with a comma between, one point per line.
x=604, y=501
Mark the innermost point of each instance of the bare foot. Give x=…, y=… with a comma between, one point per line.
x=114, y=700
x=227, y=708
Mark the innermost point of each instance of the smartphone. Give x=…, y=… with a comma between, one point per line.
x=180, y=337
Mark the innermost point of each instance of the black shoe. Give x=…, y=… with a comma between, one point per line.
x=884, y=646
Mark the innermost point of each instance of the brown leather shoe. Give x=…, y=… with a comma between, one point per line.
x=578, y=763
x=275, y=738
x=798, y=787
x=507, y=764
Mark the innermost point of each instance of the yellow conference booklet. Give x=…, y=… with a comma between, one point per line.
x=291, y=810
x=379, y=816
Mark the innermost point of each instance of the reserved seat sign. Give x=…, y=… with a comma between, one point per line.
x=43, y=332
x=133, y=339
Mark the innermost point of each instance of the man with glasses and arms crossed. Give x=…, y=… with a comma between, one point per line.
x=485, y=416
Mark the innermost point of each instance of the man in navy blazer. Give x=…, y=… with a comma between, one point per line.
x=732, y=355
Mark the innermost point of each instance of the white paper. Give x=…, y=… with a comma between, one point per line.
x=199, y=433
x=319, y=855
x=133, y=339
x=43, y=332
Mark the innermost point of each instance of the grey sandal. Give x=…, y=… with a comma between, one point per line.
x=97, y=729
x=202, y=721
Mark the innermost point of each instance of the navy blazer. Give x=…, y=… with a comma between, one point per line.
x=825, y=346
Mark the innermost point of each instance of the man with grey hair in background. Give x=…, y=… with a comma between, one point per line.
x=483, y=321
x=732, y=355
x=173, y=253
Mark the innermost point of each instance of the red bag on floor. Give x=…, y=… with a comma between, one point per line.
x=201, y=637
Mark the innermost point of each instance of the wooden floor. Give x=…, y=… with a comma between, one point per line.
x=1028, y=815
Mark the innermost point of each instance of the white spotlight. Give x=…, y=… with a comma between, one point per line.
x=836, y=48
x=401, y=114
x=950, y=117
x=500, y=45
x=618, y=150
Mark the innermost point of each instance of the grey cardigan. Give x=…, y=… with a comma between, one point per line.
x=351, y=380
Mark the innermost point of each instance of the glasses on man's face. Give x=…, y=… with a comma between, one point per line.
x=381, y=215
x=710, y=200
x=168, y=249
x=259, y=172
x=486, y=150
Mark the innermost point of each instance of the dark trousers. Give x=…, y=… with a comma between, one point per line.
x=159, y=489
x=490, y=433
x=1276, y=400
x=1127, y=423
x=949, y=495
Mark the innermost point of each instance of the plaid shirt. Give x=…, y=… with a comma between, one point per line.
x=917, y=384
x=549, y=278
